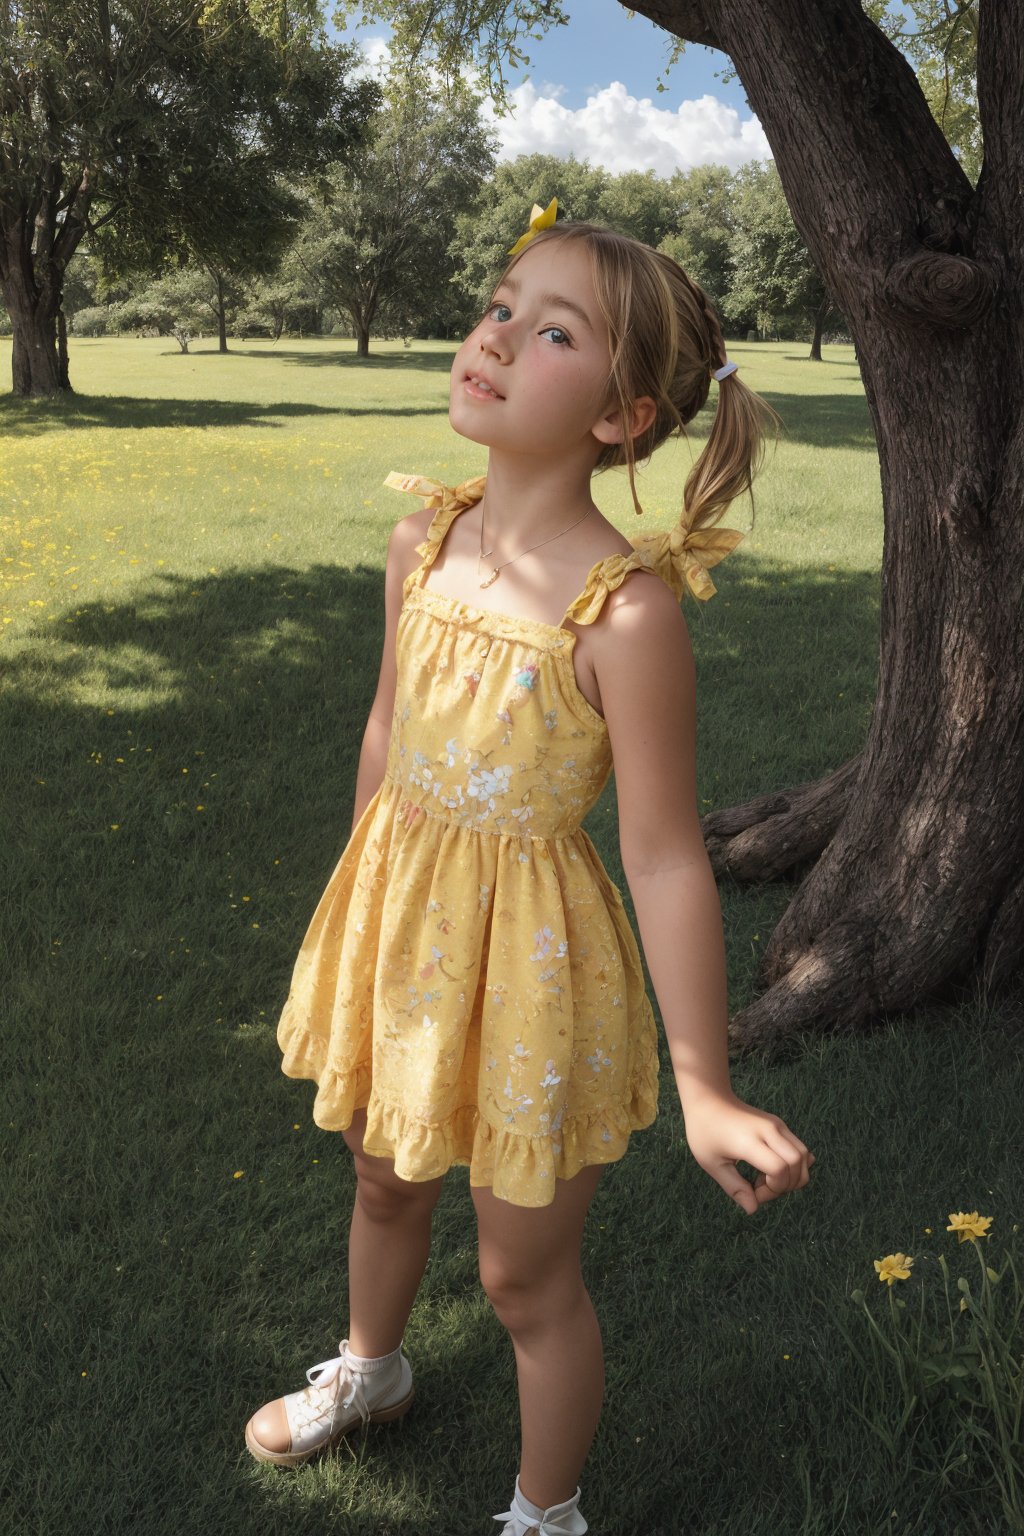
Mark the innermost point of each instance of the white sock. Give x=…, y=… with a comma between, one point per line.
x=369, y=1364
x=530, y=1509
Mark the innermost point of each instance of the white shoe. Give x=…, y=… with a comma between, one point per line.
x=560, y=1520
x=294, y=1429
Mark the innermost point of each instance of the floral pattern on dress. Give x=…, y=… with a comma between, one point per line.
x=469, y=976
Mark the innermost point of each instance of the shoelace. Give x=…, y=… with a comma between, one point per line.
x=326, y=1373
x=528, y=1523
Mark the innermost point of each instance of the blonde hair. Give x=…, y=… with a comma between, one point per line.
x=666, y=341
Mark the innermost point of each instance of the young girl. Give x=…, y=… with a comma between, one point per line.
x=470, y=990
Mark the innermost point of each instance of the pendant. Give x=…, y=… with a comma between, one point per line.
x=491, y=578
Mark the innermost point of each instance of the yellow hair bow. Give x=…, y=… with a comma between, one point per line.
x=540, y=218
x=682, y=556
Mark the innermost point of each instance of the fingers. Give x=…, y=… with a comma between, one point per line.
x=788, y=1169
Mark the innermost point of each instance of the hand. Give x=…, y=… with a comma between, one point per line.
x=721, y=1129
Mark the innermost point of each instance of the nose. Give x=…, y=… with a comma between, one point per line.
x=495, y=339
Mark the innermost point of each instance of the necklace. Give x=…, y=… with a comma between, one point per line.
x=497, y=570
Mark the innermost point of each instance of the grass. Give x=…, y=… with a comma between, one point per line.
x=191, y=627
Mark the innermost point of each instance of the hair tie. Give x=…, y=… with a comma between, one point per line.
x=724, y=371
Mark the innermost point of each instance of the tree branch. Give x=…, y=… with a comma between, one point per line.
x=692, y=20
x=845, y=116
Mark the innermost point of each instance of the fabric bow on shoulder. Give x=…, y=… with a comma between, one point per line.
x=446, y=499
x=682, y=556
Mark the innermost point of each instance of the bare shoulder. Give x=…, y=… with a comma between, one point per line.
x=642, y=615
x=407, y=532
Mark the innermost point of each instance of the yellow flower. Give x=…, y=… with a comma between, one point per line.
x=239, y=1175
x=969, y=1227
x=540, y=218
x=895, y=1266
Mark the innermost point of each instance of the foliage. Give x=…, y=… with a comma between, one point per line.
x=181, y=304
x=703, y=228
x=92, y=320
x=453, y=33
x=161, y=132
x=773, y=275
x=376, y=236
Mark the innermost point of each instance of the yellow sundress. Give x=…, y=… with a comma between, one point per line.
x=470, y=976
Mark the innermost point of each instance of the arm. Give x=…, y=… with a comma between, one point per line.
x=647, y=681
x=401, y=560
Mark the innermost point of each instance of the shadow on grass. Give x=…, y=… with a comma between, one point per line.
x=194, y=1264
x=821, y=421
x=30, y=418
x=413, y=360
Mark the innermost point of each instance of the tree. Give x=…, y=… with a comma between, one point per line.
x=160, y=134
x=773, y=276
x=377, y=237
x=704, y=228
x=912, y=853
x=181, y=304
x=483, y=236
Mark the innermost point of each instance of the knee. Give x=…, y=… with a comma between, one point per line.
x=522, y=1298
x=385, y=1197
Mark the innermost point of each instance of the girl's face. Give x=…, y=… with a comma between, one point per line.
x=543, y=349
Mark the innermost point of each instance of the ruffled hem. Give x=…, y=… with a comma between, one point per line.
x=518, y=1168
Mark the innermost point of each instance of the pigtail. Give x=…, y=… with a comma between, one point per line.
x=736, y=444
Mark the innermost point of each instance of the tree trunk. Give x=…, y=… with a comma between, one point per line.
x=820, y=317
x=37, y=368
x=362, y=339
x=912, y=855
x=222, y=326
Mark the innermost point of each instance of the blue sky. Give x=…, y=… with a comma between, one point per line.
x=591, y=90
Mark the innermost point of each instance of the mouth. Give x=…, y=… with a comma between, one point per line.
x=479, y=388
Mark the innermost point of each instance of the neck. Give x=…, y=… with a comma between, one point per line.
x=528, y=500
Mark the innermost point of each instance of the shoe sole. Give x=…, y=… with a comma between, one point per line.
x=296, y=1458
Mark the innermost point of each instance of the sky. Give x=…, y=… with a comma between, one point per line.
x=591, y=90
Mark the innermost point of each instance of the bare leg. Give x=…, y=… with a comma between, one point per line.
x=530, y=1269
x=388, y=1247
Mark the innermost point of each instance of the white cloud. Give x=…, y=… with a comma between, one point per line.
x=376, y=57
x=626, y=133
x=616, y=130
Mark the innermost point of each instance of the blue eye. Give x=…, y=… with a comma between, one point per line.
x=564, y=341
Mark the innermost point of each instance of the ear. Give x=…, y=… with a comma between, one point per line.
x=609, y=427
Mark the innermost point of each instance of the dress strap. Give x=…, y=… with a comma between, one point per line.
x=603, y=578
x=448, y=501
x=679, y=557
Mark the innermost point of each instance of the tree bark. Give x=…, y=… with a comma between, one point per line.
x=32, y=299
x=34, y=251
x=912, y=856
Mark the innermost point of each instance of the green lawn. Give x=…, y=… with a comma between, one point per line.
x=192, y=617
